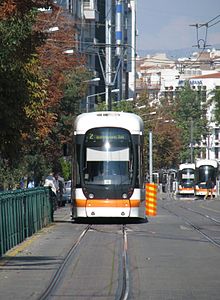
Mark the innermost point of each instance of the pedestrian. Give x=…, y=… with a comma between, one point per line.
x=209, y=186
x=31, y=184
x=50, y=182
x=21, y=183
x=60, y=186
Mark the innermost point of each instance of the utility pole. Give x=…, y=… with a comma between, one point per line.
x=191, y=140
x=108, y=42
x=150, y=156
x=119, y=38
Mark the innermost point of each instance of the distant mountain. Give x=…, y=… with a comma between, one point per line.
x=175, y=53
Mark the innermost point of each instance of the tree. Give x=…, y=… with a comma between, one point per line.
x=166, y=139
x=18, y=43
x=190, y=117
x=66, y=75
x=70, y=105
x=34, y=72
x=216, y=100
x=166, y=144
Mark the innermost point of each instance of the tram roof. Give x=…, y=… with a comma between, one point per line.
x=186, y=166
x=129, y=121
x=206, y=162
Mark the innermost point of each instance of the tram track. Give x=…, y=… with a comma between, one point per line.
x=54, y=283
x=56, y=278
x=125, y=289
x=201, y=214
x=193, y=225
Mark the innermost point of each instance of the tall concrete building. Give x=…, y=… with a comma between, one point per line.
x=106, y=32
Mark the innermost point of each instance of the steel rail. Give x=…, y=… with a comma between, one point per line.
x=188, y=222
x=55, y=279
x=201, y=214
x=125, y=289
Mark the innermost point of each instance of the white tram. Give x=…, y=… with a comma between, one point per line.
x=186, y=179
x=108, y=165
x=205, y=169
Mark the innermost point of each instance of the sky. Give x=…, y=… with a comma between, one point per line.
x=165, y=24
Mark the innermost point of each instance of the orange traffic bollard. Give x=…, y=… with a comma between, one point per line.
x=151, y=199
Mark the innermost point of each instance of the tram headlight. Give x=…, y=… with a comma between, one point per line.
x=91, y=195
x=124, y=196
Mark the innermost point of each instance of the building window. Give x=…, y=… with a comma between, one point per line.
x=217, y=131
x=216, y=152
x=86, y=3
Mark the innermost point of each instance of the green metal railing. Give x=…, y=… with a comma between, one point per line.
x=22, y=213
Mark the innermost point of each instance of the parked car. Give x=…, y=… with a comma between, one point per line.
x=67, y=192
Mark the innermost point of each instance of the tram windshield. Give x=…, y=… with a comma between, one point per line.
x=206, y=172
x=108, y=157
x=187, y=177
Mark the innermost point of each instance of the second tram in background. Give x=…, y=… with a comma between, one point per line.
x=186, y=179
x=108, y=165
x=205, y=169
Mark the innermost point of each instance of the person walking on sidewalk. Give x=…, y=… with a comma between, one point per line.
x=209, y=186
x=50, y=182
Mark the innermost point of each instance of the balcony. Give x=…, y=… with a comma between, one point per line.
x=90, y=10
x=141, y=85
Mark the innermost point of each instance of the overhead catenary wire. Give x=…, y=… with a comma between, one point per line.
x=207, y=25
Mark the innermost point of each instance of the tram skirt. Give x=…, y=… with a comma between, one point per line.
x=151, y=199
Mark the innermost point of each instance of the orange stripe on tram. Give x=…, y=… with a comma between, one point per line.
x=107, y=203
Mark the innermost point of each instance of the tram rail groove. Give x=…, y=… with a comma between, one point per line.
x=125, y=288
x=201, y=214
x=188, y=222
x=56, y=278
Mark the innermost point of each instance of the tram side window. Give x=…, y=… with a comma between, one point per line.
x=139, y=159
x=77, y=163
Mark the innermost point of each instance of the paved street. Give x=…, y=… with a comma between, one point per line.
x=168, y=258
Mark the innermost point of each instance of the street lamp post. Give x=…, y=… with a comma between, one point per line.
x=151, y=146
x=150, y=156
x=89, y=96
x=93, y=95
x=191, y=140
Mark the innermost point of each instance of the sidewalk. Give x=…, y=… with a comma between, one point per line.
x=63, y=213
x=26, y=268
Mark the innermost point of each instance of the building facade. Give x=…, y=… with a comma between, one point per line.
x=162, y=77
x=106, y=34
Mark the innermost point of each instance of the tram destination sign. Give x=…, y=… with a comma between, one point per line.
x=103, y=137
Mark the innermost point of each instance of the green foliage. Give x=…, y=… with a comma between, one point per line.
x=75, y=90
x=216, y=99
x=101, y=106
x=190, y=117
x=31, y=166
x=27, y=114
x=35, y=166
x=65, y=168
x=123, y=105
x=17, y=44
x=13, y=98
x=166, y=138
x=18, y=41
